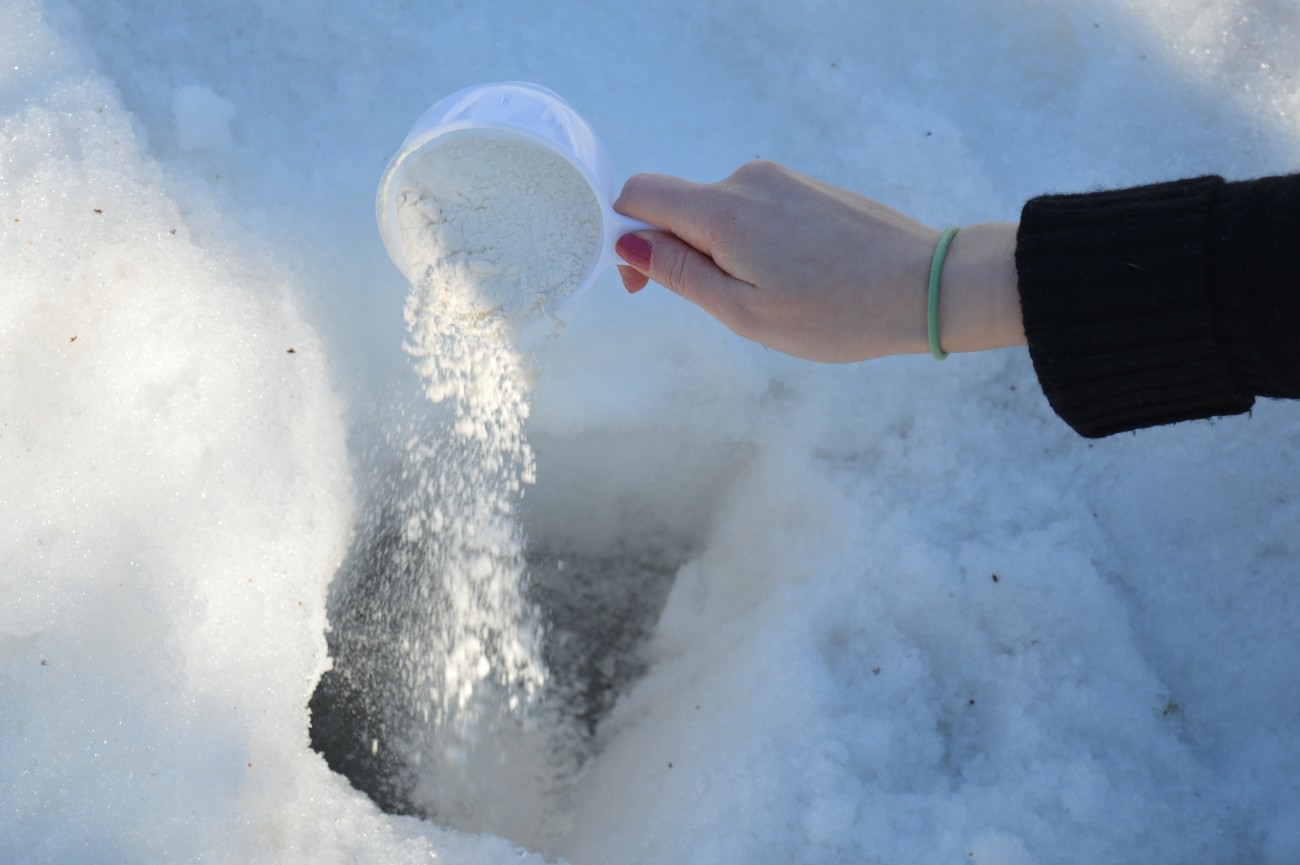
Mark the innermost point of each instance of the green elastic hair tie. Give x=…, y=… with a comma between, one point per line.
x=936, y=270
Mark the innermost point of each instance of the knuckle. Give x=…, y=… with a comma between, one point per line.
x=636, y=182
x=632, y=187
x=757, y=169
x=677, y=273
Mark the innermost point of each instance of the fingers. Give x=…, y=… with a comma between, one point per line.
x=692, y=211
x=684, y=270
x=633, y=280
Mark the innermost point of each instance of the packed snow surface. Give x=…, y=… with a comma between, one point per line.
x=892, y=612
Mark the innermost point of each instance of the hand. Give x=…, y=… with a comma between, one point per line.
x=815, y=271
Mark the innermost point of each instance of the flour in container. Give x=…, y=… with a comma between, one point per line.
x=496, y=224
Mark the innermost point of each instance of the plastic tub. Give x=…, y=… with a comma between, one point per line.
x=512, y=108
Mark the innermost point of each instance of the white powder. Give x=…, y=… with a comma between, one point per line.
x=499, y=224
x=493, y=230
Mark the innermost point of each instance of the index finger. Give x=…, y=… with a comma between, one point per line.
x=692, y=211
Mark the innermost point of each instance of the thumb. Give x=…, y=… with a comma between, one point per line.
x=685, y=271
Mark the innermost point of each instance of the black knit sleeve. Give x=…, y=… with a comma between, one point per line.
x=1162, y=303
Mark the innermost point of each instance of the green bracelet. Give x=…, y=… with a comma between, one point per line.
x=936, y=270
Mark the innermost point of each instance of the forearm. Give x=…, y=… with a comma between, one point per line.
x=1140, y=306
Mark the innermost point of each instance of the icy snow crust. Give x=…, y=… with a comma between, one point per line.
x=915, y=618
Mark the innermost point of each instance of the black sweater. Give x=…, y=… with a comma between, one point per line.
x=1162, y=303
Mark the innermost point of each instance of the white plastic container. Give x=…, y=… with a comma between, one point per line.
x=512, y=108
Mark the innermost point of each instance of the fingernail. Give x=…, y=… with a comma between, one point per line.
x=633, y=280
x=635, y=250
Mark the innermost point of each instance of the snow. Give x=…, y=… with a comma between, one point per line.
x=186, y=195
x=202, y=119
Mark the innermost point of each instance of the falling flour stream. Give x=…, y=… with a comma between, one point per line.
x=494, y=230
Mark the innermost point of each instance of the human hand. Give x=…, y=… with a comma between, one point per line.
x=815, y=271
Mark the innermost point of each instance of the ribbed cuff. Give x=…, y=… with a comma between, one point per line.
x=1117, y=309
x=1255, y=282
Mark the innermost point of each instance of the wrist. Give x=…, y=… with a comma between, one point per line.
x=979, y=302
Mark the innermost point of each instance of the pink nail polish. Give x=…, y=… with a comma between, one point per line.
x=635, y=250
